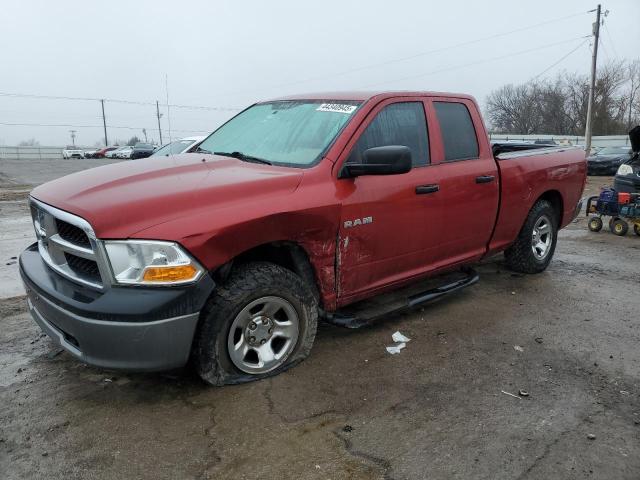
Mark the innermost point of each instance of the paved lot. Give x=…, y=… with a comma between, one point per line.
x=352, y=411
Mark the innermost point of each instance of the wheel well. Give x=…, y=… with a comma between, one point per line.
x=555, y=198
x=288, y=255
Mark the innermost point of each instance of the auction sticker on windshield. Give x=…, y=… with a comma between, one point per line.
x=336, y=107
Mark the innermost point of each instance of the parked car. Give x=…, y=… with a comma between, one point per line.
x=607, y=160
x=103, y=151
x=123, y=152
x=142, y=150
x=90, y=153
x=297, y=209
x=627, y=177
x=72, y=152
x=113, y=153
x=179, y=146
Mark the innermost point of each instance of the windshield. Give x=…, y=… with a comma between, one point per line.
x=613, y=151
x=173, y=147
x=145, y=146
x=286, y=132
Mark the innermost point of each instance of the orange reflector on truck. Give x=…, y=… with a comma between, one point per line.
x=169, y=274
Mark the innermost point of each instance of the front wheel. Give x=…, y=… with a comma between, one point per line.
x=260, y=322
x=534, y=247
x=636, y=229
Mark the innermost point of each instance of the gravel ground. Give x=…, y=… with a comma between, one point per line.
x=569, y=337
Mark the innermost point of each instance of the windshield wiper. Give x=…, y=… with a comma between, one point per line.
x=199, y=149
x=243, y=157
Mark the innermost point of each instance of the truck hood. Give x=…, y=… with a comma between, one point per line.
x=121, y=199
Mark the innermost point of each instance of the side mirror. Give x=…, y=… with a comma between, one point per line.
x=387, y=160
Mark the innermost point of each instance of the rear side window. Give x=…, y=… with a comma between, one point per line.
x=458, y=134
x=396, y=124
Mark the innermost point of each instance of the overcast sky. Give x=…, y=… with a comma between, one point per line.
x=230, y=54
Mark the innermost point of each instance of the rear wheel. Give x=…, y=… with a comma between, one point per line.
x=620, y=227
x=595, y=224
x=536, y=242
x=261, y=322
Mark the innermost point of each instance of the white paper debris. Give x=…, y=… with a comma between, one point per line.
x=518, y=348
x=398, y=337
x=396, y=348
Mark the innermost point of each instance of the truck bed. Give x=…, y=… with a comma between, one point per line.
x=527, y=174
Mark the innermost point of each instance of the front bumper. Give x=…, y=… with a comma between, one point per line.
x=130, y=328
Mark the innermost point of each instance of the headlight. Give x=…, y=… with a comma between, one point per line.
x=625, y=169
x=146, y=262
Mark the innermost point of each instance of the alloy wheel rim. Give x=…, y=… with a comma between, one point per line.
x=542, y=237
x=263, y=335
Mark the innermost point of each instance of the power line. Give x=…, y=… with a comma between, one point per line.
x=492, y=59
x=613, y=47
x=112, y=100
x=68, y=125
x=416, y=55
x=561, y=59
x=306, y=80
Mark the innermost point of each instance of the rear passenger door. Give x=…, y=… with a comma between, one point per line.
x=467, y=176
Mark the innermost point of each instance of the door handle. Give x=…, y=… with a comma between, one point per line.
x=485, y=179
x=424, y=189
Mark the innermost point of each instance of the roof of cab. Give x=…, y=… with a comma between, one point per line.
x=368, y=95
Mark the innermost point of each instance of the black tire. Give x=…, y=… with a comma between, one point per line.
x=595, y=224
x=247, y=283
x=636, y=229
x=519, y=256
x=620, y=227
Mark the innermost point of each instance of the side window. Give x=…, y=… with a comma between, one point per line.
x=396, y=124
x=458, y=133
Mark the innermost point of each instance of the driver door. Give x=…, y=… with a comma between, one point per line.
x=386, y=231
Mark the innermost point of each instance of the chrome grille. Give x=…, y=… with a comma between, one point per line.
x=72, y=234
x=67, y=244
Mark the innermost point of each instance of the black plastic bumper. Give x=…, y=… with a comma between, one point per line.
x=131, y=328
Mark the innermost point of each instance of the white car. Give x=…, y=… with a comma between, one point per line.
x=179, y=146
x=113, y=153
x=123, y=152
x=72, y=152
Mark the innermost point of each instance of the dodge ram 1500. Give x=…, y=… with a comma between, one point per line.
x=297, y=209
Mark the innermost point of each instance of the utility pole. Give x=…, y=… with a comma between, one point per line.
x=104, y=123
x=73, y=137
x=592, y=86
x=159, y=115
x=144, y=131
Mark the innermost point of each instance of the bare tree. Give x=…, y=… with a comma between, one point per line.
x=32, y=142
x=559, y=106
x=633, y=93
x=510, y=109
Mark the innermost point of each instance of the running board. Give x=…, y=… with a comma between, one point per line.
x=368, y=311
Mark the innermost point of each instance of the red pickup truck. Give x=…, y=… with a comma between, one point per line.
x=297, y=209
